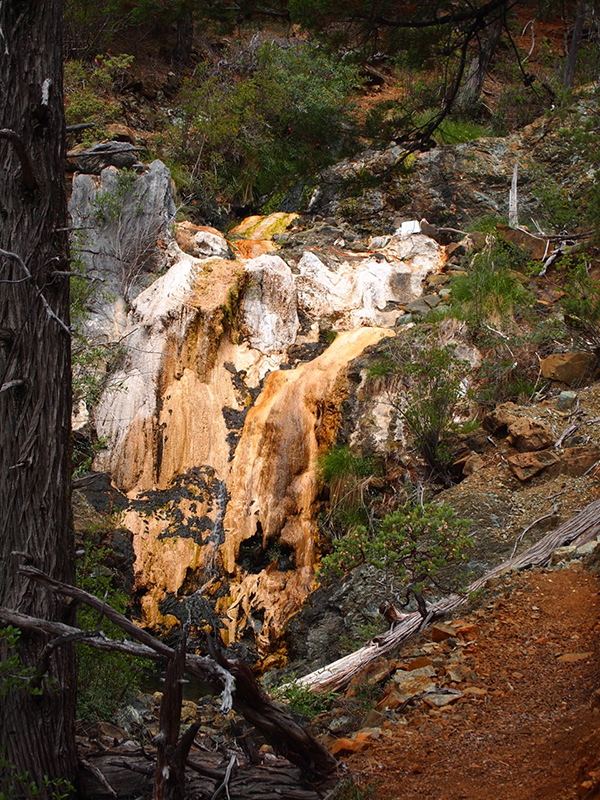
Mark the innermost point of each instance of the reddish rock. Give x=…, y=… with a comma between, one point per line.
x=569, y=368
x=526, y=465
x=411, y=683
x=248, y=248
x=527, y=435
x=415, y=663
x=575, y=461
x=391, y=700
x=472, y=464
x=460, y=672
x=345, y=746
x=498, y=420
x=572, y=658
x=372, y=673
x=531, y=245
x=441, y=631
x=466, y=630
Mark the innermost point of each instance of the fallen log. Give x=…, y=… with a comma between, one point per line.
x=125, y=774
x=232, y=679
x=336, y=676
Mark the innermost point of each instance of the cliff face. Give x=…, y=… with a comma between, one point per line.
x=274, y=484
x=212, y=435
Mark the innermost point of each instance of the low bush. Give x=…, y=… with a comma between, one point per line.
x=105, y=680
x=431, y=389
x=86, y=92
x=247, y=135
x=493, y=287
x=412, y=545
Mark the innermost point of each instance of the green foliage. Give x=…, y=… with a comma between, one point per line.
x=16, y=785
x=340, y=462
x=348, y=789
x=431, y=391
x=558, y=208
x=108, y=205
x=86, y=91
x=413, y=544
x=348, y=477
x=582, y=294
x=14, y=677
x=493, y=287
x=363, y=633
x=302, y=700
x=248, y=136
x=511, y=352
x=105, y=680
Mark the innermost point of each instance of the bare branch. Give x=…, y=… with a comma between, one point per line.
x=45, y=303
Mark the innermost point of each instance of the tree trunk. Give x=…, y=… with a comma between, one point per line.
x=36, y=732
x=569, y=75
x=185, y=38
x=473, y=81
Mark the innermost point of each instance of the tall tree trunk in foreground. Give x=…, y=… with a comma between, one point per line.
x=36, y=732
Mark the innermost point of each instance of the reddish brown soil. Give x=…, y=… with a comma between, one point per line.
x=535, y=733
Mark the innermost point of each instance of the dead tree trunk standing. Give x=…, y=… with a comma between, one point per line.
x=171, y=754
x=569, y=75
x=36, y=732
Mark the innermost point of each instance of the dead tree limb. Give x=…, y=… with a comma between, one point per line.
x=581, y=528
x=171, y=754
x=233, y=679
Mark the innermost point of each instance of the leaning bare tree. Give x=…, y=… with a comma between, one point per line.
x=36, y=731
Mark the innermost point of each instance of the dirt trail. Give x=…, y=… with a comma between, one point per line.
x=531, y=731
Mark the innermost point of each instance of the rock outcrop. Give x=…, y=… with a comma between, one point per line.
x=453, y=184
x=121, y=220
x=211, y=434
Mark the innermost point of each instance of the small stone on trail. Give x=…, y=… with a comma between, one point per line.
x=566, y=400
x=571, y=658
x=441, y=631
x=441, y=700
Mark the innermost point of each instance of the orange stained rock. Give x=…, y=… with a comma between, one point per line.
x=274, y=483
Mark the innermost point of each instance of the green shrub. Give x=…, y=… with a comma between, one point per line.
x=431, y=389
x=246, y=137
x=581, y=301
x=302, y=700
x=348, y=477
x=86, y=91
x=105, y=680
x=414, y=545
x=492, y=288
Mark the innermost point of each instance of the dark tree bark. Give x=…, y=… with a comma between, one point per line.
x=185, y=38
x=569, y=75
x=36, y=732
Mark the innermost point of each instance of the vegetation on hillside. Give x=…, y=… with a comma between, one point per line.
x=263, y=98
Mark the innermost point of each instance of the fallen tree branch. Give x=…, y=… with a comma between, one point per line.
x=333, y=677
x=532, y=525
x=232, y=679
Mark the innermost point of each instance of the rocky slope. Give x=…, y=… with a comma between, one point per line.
x=207, y=428
x=244, y=359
